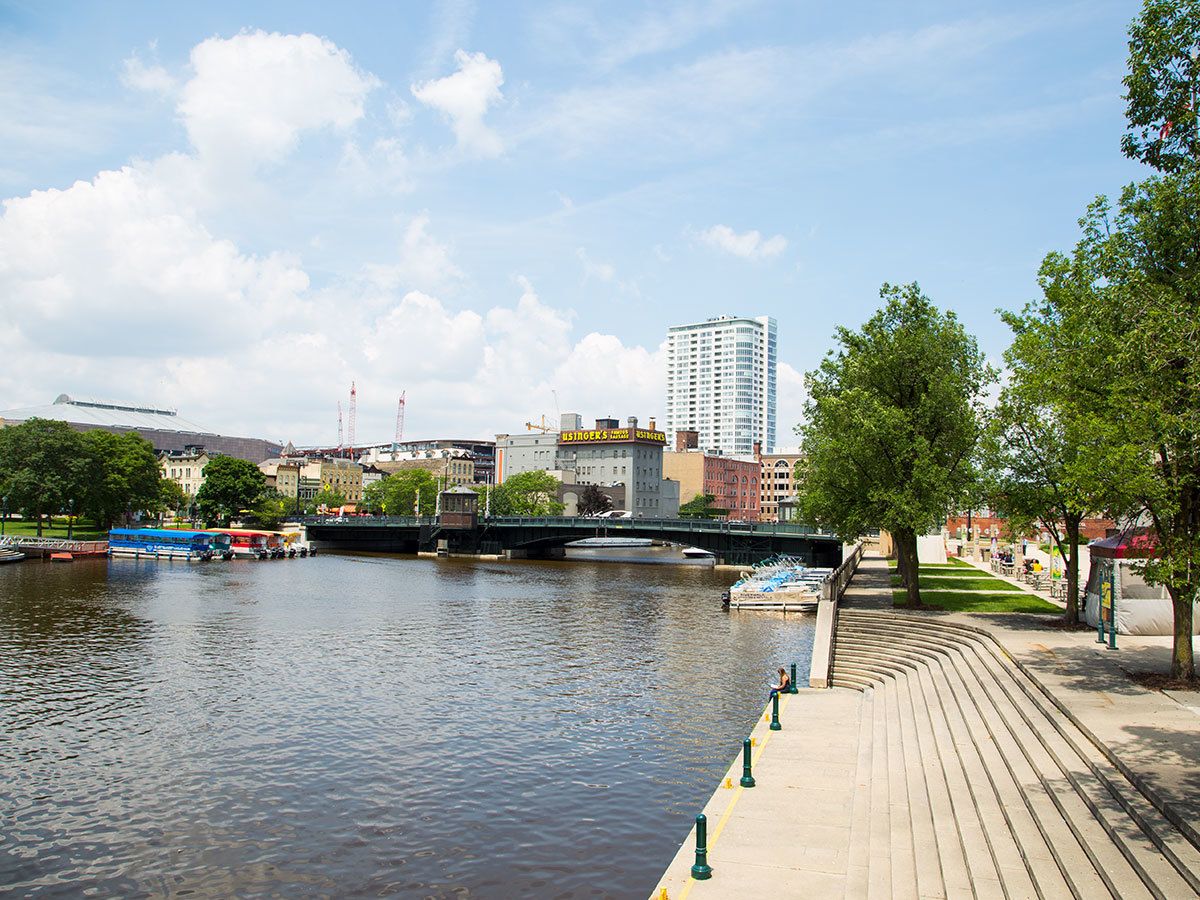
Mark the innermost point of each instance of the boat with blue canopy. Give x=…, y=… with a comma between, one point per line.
x=167, y=543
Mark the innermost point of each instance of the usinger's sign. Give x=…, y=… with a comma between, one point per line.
x=611, y=434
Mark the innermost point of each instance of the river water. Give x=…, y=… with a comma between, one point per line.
x=367, y=725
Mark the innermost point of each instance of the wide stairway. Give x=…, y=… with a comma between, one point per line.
x=971, y=783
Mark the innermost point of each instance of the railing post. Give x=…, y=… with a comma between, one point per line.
x=775, y=726
x=701, y=871
x=747, y=776
x=792, y=689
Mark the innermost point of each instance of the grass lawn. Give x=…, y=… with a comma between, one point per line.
x=955, y=601
x=83, y=530
x=954, y=583
x=952, y=564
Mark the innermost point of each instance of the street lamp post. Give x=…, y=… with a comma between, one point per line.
x=70, y=516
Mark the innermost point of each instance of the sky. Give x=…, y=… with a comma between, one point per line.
x=237, y=210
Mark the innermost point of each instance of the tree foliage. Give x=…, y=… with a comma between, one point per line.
x=527, y=494
x=230, y=486
x=1131, y=369
x=121, y=474
x=593, y=501
x=1161, y=84
x=271, y=508
x=396, y=494
x=701, y=507
x=892, y=419
x=42, y=467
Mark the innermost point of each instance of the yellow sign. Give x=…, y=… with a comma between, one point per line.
x=611, y=434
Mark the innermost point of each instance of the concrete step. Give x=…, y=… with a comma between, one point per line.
x=903, y=856
x=1059, y=818
x=860, y=817
x=1082, y=796
x=879, y=860
x=1158, y=853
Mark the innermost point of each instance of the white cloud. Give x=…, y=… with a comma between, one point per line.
x=252, y=95
x=464, y=98
x=118, y=267
x=152, y=79
x=424, y=262
x=748, y=245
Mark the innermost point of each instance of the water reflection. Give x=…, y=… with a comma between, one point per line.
x=366, y=725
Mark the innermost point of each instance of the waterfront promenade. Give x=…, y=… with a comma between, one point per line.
x=963, y=755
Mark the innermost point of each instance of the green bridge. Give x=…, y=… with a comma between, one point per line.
x=734, y=543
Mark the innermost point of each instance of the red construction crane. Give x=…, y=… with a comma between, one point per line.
x=400, y=418
x=353, y=415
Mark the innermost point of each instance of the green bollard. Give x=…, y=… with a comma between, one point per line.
x=701, y=870
x=775, y=726
x=793, y=689
x=747, y=778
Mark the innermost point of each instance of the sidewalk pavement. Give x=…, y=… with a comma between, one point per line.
x=789, y=836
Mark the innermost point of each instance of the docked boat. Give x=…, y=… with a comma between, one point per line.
x=696, y=553
x=255, y=544
x=9, y=556
x=780, y=583
x=167, y=543
x=593, y=543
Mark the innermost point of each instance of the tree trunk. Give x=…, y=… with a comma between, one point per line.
x=1183, y=665
x=901, y=562
x=906, y=543
x=1072, y=570
x=39, y=522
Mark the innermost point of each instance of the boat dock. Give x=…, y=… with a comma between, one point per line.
x=44, y=548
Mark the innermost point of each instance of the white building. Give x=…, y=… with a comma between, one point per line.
x=721, y=383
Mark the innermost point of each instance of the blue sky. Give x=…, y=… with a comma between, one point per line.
x=237, y=210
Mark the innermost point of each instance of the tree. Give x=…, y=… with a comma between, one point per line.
x=1134, y=332
x=171, y=496
x=271, y=508
x=42, y=467
x=527, y=494
x=701, y=507
x=1162, y=83
x=121, y=474
x=892, y=420
x=329, y=499
x=396, y=495
x=593, y=501
x=230, y=485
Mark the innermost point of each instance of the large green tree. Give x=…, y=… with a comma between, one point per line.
x=42, y=467
x=1162, y=84
x=891, y=423
x=121, y=474
x=1132, y=368
x=230, y=485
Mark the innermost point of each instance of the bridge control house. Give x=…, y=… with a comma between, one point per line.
x=612, y=454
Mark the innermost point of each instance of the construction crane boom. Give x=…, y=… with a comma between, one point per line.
x=339, y=424
x=400, y=418
x=353, y=415
x=542, y=426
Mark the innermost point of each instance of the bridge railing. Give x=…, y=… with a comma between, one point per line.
x=708, y=526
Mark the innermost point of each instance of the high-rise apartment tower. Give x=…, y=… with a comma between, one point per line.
x=721, y=383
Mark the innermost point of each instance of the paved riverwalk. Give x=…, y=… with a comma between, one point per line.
x=963, y=755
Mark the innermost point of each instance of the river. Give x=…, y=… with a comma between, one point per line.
x=354, y=725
